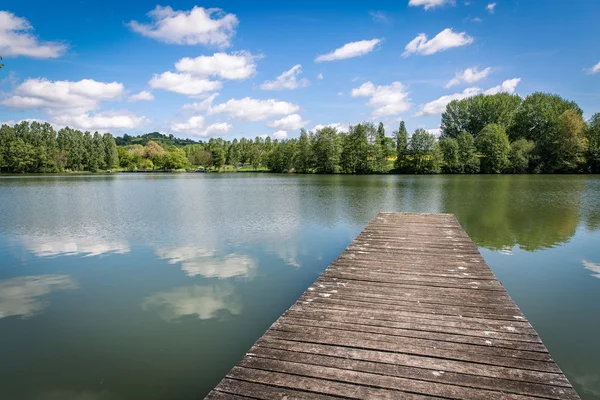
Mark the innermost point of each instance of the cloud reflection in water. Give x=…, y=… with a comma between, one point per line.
x=203, y=301
x=22, y=295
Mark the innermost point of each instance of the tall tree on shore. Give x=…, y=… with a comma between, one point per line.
x=493, y=144
x=326, y=148
x=424, y=153
x=401, y=146
x=593, y=137
x=305, y=158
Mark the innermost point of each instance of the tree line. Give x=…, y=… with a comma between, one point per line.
x=501, y=133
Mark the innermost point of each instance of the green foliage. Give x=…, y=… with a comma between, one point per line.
x=326, y=150
x=423, y=153
x=165, y=140
x=593, y=138
x=520, y=154
x=304, y=161
x=475, y=113
x=401, y=136
x=451, y=156
x=492, y=143
x=282, y=155
x=467, y=153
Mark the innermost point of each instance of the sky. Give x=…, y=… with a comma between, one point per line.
x=238, y=68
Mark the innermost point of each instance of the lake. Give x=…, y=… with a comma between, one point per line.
x=152, y=286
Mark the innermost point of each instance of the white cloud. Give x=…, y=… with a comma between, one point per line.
x=386, y=100
x=183, y=83
x=287, y=80
x=595, y=268
x=350, y=50
x=379, y=16
x=507, y=86
x=207, y=26
x=16, y=39
x=469, y=75
x=83, y=95
x=439, y=106
x=280, y=135
x=102, y=122
x=203, y=105
x=320, y=76
x=427, y=4
x=595, y=69
x=250, y=109
x=476, y=19
x=435, y=131
x=289, y=123
x=24, y=295
x=144, y=95
x=337, y=125
x=444, y=40
x=491, y=7
x=195, y=126
x=238, y=65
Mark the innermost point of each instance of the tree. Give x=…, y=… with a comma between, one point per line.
x=593, y=138
x=474, y=113
x=570, y=143
x=467, y=153
x=520, y=154
x=355, y=150
x=326, y=150
x=97, y=154
x=111, y=157
x=154, y=152
x=423, y=156
x=401, y=146
x=492, y=143
x=450, y=155
x=305, y=159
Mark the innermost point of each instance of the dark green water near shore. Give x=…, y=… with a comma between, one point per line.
x=152, y=286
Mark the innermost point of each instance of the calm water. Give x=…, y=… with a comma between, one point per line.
x=153, y=286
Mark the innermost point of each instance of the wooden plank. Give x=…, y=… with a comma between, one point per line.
x=409, y=310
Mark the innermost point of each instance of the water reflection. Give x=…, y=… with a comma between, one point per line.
x=22, y=296
x=198, y=261
x=77, y=395
x=205, y=302
x=595, y=268
x=51, y=246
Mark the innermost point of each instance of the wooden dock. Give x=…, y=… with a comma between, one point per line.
x=410, y=310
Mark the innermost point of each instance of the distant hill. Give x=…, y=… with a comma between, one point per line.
x=168, y=140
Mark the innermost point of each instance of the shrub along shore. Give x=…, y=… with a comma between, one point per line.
x=500, y=133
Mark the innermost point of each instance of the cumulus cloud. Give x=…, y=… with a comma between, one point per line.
x=340, y=127
x=469, y=75
x=195, y=126
x=507, y=86
x=320, y=76
x=386, y=100
x=250, y=109
x=439, y=106
x=184, y=83
x=206, y=26
x=289, y=123
x=427, y=4
x=102, y=122
x=280, y=135
x=595, y=69
x=203, y=105
x=491, y=7
x=16, y=39
x=287, y=80
x=144, y=95
x=444, y=40
x=83, y=95
x=350, y=50
x=236, y=66
x=435, y=131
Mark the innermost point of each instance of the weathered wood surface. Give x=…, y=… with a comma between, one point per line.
x=410, y=310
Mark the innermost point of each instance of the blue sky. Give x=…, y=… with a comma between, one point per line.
x=266, y=68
